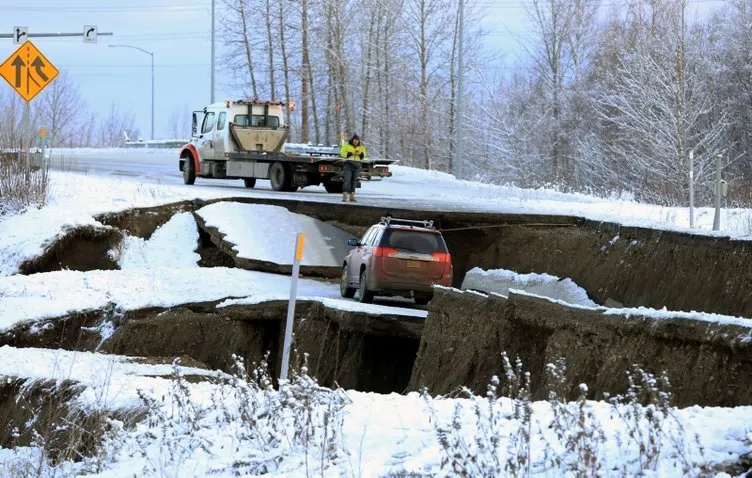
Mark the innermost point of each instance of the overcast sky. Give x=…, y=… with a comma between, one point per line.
x=177, y=32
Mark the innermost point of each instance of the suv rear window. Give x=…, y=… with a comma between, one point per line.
x=412, y=241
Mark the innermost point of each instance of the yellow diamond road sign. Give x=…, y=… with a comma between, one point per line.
x=28, y=71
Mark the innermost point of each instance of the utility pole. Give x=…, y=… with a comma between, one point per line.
x=212, y=51
x=717, y=201
x=460, y=102
x=691, y=188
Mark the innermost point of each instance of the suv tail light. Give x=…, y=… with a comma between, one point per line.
x=443, y=257
x=385, y=252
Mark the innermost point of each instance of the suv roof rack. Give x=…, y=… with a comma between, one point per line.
x=388, y=220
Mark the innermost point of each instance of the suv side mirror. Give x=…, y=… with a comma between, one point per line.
x=353, y=242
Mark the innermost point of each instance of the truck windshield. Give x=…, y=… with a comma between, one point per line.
x=257, y=120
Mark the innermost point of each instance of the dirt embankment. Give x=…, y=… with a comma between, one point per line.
x=49, y=408
x=142, y=222
x=356, y=350
x=631, y=266
x=708, y=363
x=626, y=265
x=83, y=248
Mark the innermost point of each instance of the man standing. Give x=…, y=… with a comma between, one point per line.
x=353, y=152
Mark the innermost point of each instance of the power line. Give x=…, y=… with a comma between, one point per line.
x=105, y=9
x=111, y=65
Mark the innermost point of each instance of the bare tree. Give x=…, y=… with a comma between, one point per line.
x=268, y=20
x=11, y=112
x=562, y=29
x=656, y=108
x=304, y=80
x=179, y=123
x=61, y=105
x=424, y=22
x=285, y=60
x=239, y=33
x=114, y=127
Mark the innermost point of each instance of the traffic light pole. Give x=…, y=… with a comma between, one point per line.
x=53, y=35
x=19, y=36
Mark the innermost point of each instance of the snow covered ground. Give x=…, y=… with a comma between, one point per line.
x=565, y=291
x=303, y=430
x=368, y=434
x=501, y=281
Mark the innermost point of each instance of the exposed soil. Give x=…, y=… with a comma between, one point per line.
x=631, y=266
x=709, y=364
x=82, y=248
x=465, y=333
x=76, y=331
x=142, y=222
x=47, y=407
x=211, y=254
x=352, y=349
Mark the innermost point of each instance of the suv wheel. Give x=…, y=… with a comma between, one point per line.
x=366, y=296
x=344, y=288
x=422, y=299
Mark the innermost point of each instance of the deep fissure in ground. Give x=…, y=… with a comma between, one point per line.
x=615, y=264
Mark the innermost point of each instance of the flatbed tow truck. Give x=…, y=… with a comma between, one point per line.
x=245, y=139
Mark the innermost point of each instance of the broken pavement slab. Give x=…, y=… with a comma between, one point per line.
x=262, y=237
x=706, y=356
x=58, y=293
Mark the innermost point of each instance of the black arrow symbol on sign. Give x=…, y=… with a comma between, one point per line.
x=18, y=63
x=89, y=31
x=19, y=34
x=38, y=64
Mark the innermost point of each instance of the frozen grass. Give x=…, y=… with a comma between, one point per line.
x=22, y=188
x=246, y=426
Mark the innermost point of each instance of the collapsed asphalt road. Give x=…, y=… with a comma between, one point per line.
x=633, y=267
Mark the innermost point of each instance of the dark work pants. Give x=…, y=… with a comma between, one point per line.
x=352, y=170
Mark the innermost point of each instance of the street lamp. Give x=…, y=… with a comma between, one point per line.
x=152, y=80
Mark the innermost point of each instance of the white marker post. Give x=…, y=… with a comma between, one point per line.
x=291, y=305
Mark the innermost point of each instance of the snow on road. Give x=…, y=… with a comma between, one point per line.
x=268, y=233
x=413, y=188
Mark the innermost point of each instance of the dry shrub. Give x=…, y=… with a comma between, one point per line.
x=22, y=187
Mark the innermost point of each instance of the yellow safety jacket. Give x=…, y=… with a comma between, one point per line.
x=355, y=150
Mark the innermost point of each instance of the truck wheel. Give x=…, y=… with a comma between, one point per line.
x=279, y=177
x=189, y=170
x=249, y=182
x=334, y=187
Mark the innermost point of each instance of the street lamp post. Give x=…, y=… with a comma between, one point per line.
x=151, y=54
